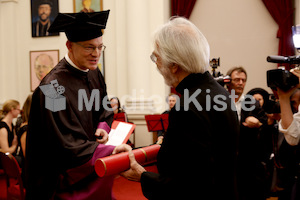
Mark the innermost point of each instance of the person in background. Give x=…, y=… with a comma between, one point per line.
x=269, y=140
x=23, y=128
x=289, y=125
x=171, y=100
x=288, y=161
x=8, y=138
x=197, y=159
x=116, y=105
x=260, y=95
x=251, y=171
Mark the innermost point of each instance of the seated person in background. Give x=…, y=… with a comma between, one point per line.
x=171, y=100
x=23, y=128
x=8, y=138
x=116, y=106
x=290, y=122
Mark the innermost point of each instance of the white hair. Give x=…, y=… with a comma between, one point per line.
x=179, y=41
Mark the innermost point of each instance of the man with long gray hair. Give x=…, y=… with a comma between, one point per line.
x=197, y=159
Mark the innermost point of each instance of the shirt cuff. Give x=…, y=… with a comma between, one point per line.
x=104, y=126
x=291, y=133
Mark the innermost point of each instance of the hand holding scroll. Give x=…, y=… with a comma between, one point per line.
x=135, y=171
x=131, y=161
x=121, y=148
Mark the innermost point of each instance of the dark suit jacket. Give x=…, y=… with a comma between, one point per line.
x=198, y=156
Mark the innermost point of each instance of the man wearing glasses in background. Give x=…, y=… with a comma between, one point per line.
x=62, y=146
x=251, y=172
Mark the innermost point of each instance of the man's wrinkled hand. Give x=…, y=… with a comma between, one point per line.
x=121, y=148
x=135, y=171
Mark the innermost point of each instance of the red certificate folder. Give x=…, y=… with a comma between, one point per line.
x=117, y=163
x=157, y=122
x=120, y=133
x=120, y=117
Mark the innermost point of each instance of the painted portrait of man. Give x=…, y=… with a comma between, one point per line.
x=41, y=63
x=43, y=12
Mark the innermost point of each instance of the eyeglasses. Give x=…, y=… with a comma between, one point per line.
x=91, y=49
x=153, y=58
x=237, y=80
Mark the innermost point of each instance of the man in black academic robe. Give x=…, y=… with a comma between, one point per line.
x=197, y=159
x=64, y=139
x=68, y=113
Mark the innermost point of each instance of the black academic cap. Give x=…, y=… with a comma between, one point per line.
x=80, y=26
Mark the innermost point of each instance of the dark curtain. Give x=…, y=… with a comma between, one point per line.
x=182, y=7
x=282, y=12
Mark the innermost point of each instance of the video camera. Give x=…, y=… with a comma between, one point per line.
x=272, y=106
x=218, y=76
x=282, y=78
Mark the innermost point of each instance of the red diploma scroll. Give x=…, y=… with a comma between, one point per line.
x=117, y=163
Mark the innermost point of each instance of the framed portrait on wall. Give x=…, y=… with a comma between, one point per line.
x=43, y=12
x=87, y=5
x=41, y=63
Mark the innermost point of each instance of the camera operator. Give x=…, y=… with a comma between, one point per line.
x=290, y=122
x=290, y=126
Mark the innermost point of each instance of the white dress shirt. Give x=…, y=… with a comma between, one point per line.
x=292, y=133
x=238, y=106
